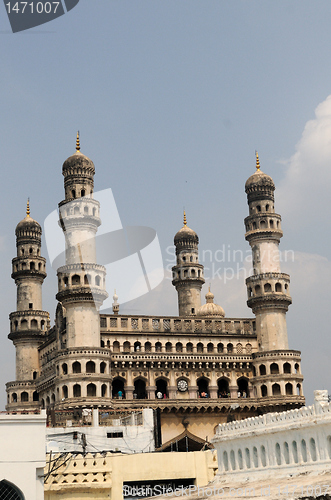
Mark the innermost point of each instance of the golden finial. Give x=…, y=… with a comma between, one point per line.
x=257, y=161
x=185, y=221
x=77, y=142
x=28, y=208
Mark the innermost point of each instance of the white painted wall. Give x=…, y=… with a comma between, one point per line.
x=279, y=441
x=22, y=452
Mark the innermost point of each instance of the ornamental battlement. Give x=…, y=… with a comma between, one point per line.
x=320, y=411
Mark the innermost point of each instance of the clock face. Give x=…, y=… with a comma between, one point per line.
x=182, y=385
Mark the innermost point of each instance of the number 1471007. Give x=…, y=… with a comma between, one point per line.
x=310, y=490
x=32, y=7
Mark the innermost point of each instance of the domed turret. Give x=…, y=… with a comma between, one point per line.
x=259, y=185
x=185, y=233
x=78, y=171
x=209, y=308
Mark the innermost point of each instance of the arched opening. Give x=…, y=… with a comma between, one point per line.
x=116, y=346
x=278, y=454
x=117, y=388
x=239, y=348
x=42, y=324
x=313, y=452
x=91, y=390
x=262, y=370
x=267, y=288
x=189, y=347
x=75, y=280
x=295, y=452
x=225, y=461
x=137, y=347
x=168, y=347
x=14, y=397
x=255, y=457
x=240, y=459
x=304, y=450
x=263, y=456
x=276, y=390
x=203, y=388
x=210, y=347
x=274, y=369
x=257, y=290
x=32, y=266
x=298, y=390
x=158, y=347
x=296, y=368
x=243, y=391
x=220, y=348
x=258, y=208
x=87, y=279
x=35, y=396
x=82, y=193
x=278, y=287
x=140, y=389
x=76, y=367
x=179, y=347
x=329, y=446
x=90, y=367
x=34, y=324
x=73, y=193
x=97, y=280
x=200, y=347
x=34, y=375
x=287, y=368
x=223, y=388
x=24, y=324
x=24, y=397
x=64, y=369
x=289, y=389
x=264, y=391
x=286, y=453
x=103, y=367
x=103, y=391
x=64, y=391
x=148, y=347
x=161, y=389
x=232, y=460
x=192, y=273
x=247, y=458
x=229, y=348
x=263, y=224
x=86, y=210
x=16, y=326
x=94, y=212
x=76, y=210
x=77, y=391
x=267, y=207
x=9, y=491
x=53, y=398
x=271, y=223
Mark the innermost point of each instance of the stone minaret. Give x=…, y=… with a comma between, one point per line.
x=277, y=368
x=187, y=273
x=81, y=282
x=29, y=323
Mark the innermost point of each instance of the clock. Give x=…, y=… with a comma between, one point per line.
x=182, y=385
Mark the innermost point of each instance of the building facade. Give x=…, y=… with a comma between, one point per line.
x=197, y=369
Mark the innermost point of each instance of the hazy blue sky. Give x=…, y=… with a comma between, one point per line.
x=172, y=97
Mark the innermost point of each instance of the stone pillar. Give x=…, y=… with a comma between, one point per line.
x=233, y=391
x=172, y=390
x=129, y=391
x=151, y=391
x=213, y=391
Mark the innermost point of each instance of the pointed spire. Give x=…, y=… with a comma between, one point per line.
x=185, y=221
x=28, y=208
x=257, y=161
x=77, y=142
